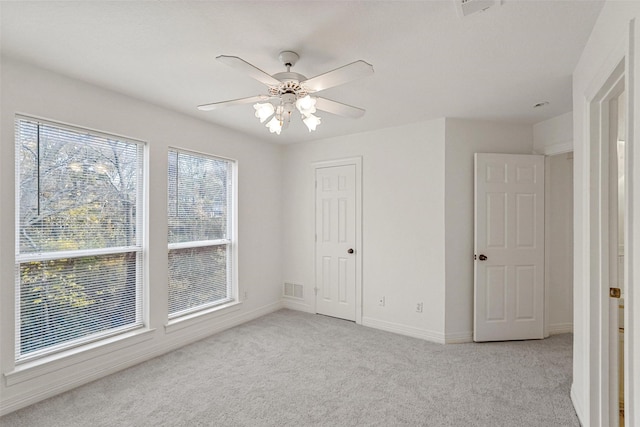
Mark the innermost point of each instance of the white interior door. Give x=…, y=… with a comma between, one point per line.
x=336, y=241
x=509, y=247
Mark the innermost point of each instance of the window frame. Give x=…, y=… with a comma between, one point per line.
x=139, y=250
x=230, y=242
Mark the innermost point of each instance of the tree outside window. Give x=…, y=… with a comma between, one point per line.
x=79, y=236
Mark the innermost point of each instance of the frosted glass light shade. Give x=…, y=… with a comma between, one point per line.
x=274, y=126
x=311, y=121
x=306, y=105
x=264, y=110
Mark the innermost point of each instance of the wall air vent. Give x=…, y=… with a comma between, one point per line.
x=467, y=7
x=293, y=290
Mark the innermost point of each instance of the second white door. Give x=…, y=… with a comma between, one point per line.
x=509, y=247
x=336, y=241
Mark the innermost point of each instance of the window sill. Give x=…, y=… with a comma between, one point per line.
x=189, y=320
x=55, y=362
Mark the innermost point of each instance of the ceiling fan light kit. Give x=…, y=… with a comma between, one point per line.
x=264, y=111
x=288, y=91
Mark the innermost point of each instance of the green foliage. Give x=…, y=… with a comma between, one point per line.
x=76, y=188
x=77, y=192
x=197, y=208
x=197, y=202
x=64, y=299
x=197, y=276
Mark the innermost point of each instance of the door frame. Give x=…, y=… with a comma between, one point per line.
x=565, y=148
x=357, y=162
x=614, y=247
x=617, y=73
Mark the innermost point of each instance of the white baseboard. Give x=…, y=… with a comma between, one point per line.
x=458, y=337
x=577, y=405
x=398, y=328
x=561, y=328
x=126, y=360
x=206, y=329
x=297, y=305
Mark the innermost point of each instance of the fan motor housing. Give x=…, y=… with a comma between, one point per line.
x=289, y=76
x=290, y=84
x=289, y=98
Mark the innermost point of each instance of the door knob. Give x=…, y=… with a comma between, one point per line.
x=350, y=251
x=482, y=257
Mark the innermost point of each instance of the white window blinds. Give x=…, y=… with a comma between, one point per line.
x=78, y=238
x=200, y=238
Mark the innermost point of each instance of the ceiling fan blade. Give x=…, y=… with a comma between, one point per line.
x=232, y=102
x=251, y=70
x=339, y=108
x=336, y=77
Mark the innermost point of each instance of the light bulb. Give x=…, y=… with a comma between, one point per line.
x=274, y=125
x=263, y=111
x=311, y=121
x=306, y=105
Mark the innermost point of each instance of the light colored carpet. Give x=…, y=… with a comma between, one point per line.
x=296, y=369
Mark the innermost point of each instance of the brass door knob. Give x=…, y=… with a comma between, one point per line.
x=350, y=251
x=482, y=257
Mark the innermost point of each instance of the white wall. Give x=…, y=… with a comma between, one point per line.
x=554, y=136
x=559, y=242
x=615, y=35
x=463, y=139
x=41, y=93
x=403, y=223
x=417, y=220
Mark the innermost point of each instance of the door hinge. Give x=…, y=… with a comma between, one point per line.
x=614, y=292
x=315, y=290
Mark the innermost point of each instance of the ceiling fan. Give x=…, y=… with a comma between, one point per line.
x=288, y=91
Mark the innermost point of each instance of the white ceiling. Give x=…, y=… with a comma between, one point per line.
x=428, y=61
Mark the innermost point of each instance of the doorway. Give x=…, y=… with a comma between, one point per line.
x=558, y=243
x=609, y=235
x=616, y=140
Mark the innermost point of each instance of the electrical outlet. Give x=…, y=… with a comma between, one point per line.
x=419, y=308
x=381, y=302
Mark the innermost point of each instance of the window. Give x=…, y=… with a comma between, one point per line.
x=200, y=238
x=78, y=236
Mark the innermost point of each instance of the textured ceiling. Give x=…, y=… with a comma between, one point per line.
x=428, y=61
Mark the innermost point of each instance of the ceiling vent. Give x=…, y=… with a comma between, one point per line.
x=467, y=7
